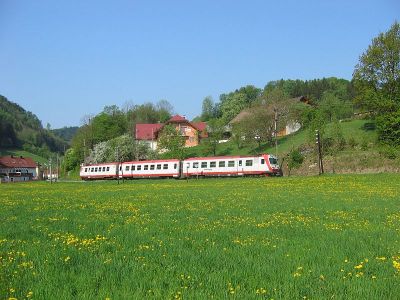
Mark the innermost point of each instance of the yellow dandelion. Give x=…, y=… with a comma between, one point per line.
x=396, y=265
x=381, y=258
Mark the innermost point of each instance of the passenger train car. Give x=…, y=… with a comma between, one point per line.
x=99, y=171
x=218, y=166
x=150, y=168
x=231, y=166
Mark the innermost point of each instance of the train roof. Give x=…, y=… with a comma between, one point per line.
x=151, y=161
x=223, y=157
x=97, y=165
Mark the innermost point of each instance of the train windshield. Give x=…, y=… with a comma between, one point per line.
x=273, y=161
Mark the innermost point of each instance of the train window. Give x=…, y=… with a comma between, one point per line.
x=204, y=164
x=104, y=169
x=133, y=168
x=231, y=163
x=262, y=161
x=95, y=169
x=139, y=167
x=165, y=166
x=85, y=169
x=221, y=164
x=108, y=168
x=249, y=163
x=175, y=166
x=273, y=160
x=213, y=164
x=127, y=168
x=120, y=168
x=146, y=167
x=152, y=167
x=159, y=167
x=195, y=165
x=240, y=163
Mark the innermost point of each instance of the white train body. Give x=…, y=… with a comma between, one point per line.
x=99, y=171
x=150, y=169
x=231, y=166
x=264, y=164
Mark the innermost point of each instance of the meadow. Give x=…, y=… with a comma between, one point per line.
x=328, y=237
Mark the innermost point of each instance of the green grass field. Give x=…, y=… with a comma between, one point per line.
x=329, y=237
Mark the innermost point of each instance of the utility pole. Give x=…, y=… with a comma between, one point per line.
x=84, y=150
x=51, y=179
x=58, y=173
x=276, y=131
x=118, y=164
x=318, y=142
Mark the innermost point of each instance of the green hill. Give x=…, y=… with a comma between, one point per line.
x=22, y=130
x=66, y=133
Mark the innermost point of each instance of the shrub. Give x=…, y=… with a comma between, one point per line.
x=352, y=142
x=389, y=152
x=295, y=159
x=389, y=128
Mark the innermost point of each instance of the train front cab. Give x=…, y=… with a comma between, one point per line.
x=273, y=165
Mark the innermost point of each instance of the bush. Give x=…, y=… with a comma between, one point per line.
x=295, y=159
x=364, y=145
x=389, y=152
x=352, y=142
x=389, y=128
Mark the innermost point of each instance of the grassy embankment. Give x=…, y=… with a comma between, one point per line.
x=329, y=237
x=362, y=153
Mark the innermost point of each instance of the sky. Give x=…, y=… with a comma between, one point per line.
x=64, y=60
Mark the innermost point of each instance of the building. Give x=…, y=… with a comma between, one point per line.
x=192, y=131
x=17, y=168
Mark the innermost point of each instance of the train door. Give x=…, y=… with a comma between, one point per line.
x=240, y=168
x=180, y=169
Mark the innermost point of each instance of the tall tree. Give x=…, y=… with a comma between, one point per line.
x=377, y=75
x=215, y=130
x=164, y=110
x=332, y=107
x=207, y=109
x=231, y=105
x=171, y=141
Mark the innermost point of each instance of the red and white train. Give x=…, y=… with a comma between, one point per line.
x=265, y=164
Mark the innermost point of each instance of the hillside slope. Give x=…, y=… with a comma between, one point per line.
x=66, y=133
x=22, y=130
x=362, y=153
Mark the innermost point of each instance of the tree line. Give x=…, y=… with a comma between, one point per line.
x=110, y=135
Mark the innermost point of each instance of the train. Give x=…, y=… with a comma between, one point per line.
x=217, y=166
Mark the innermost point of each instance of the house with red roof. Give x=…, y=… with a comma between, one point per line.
x=17, y=168
x=192, y=131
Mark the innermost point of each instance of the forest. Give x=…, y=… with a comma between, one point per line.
x=23, y=130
